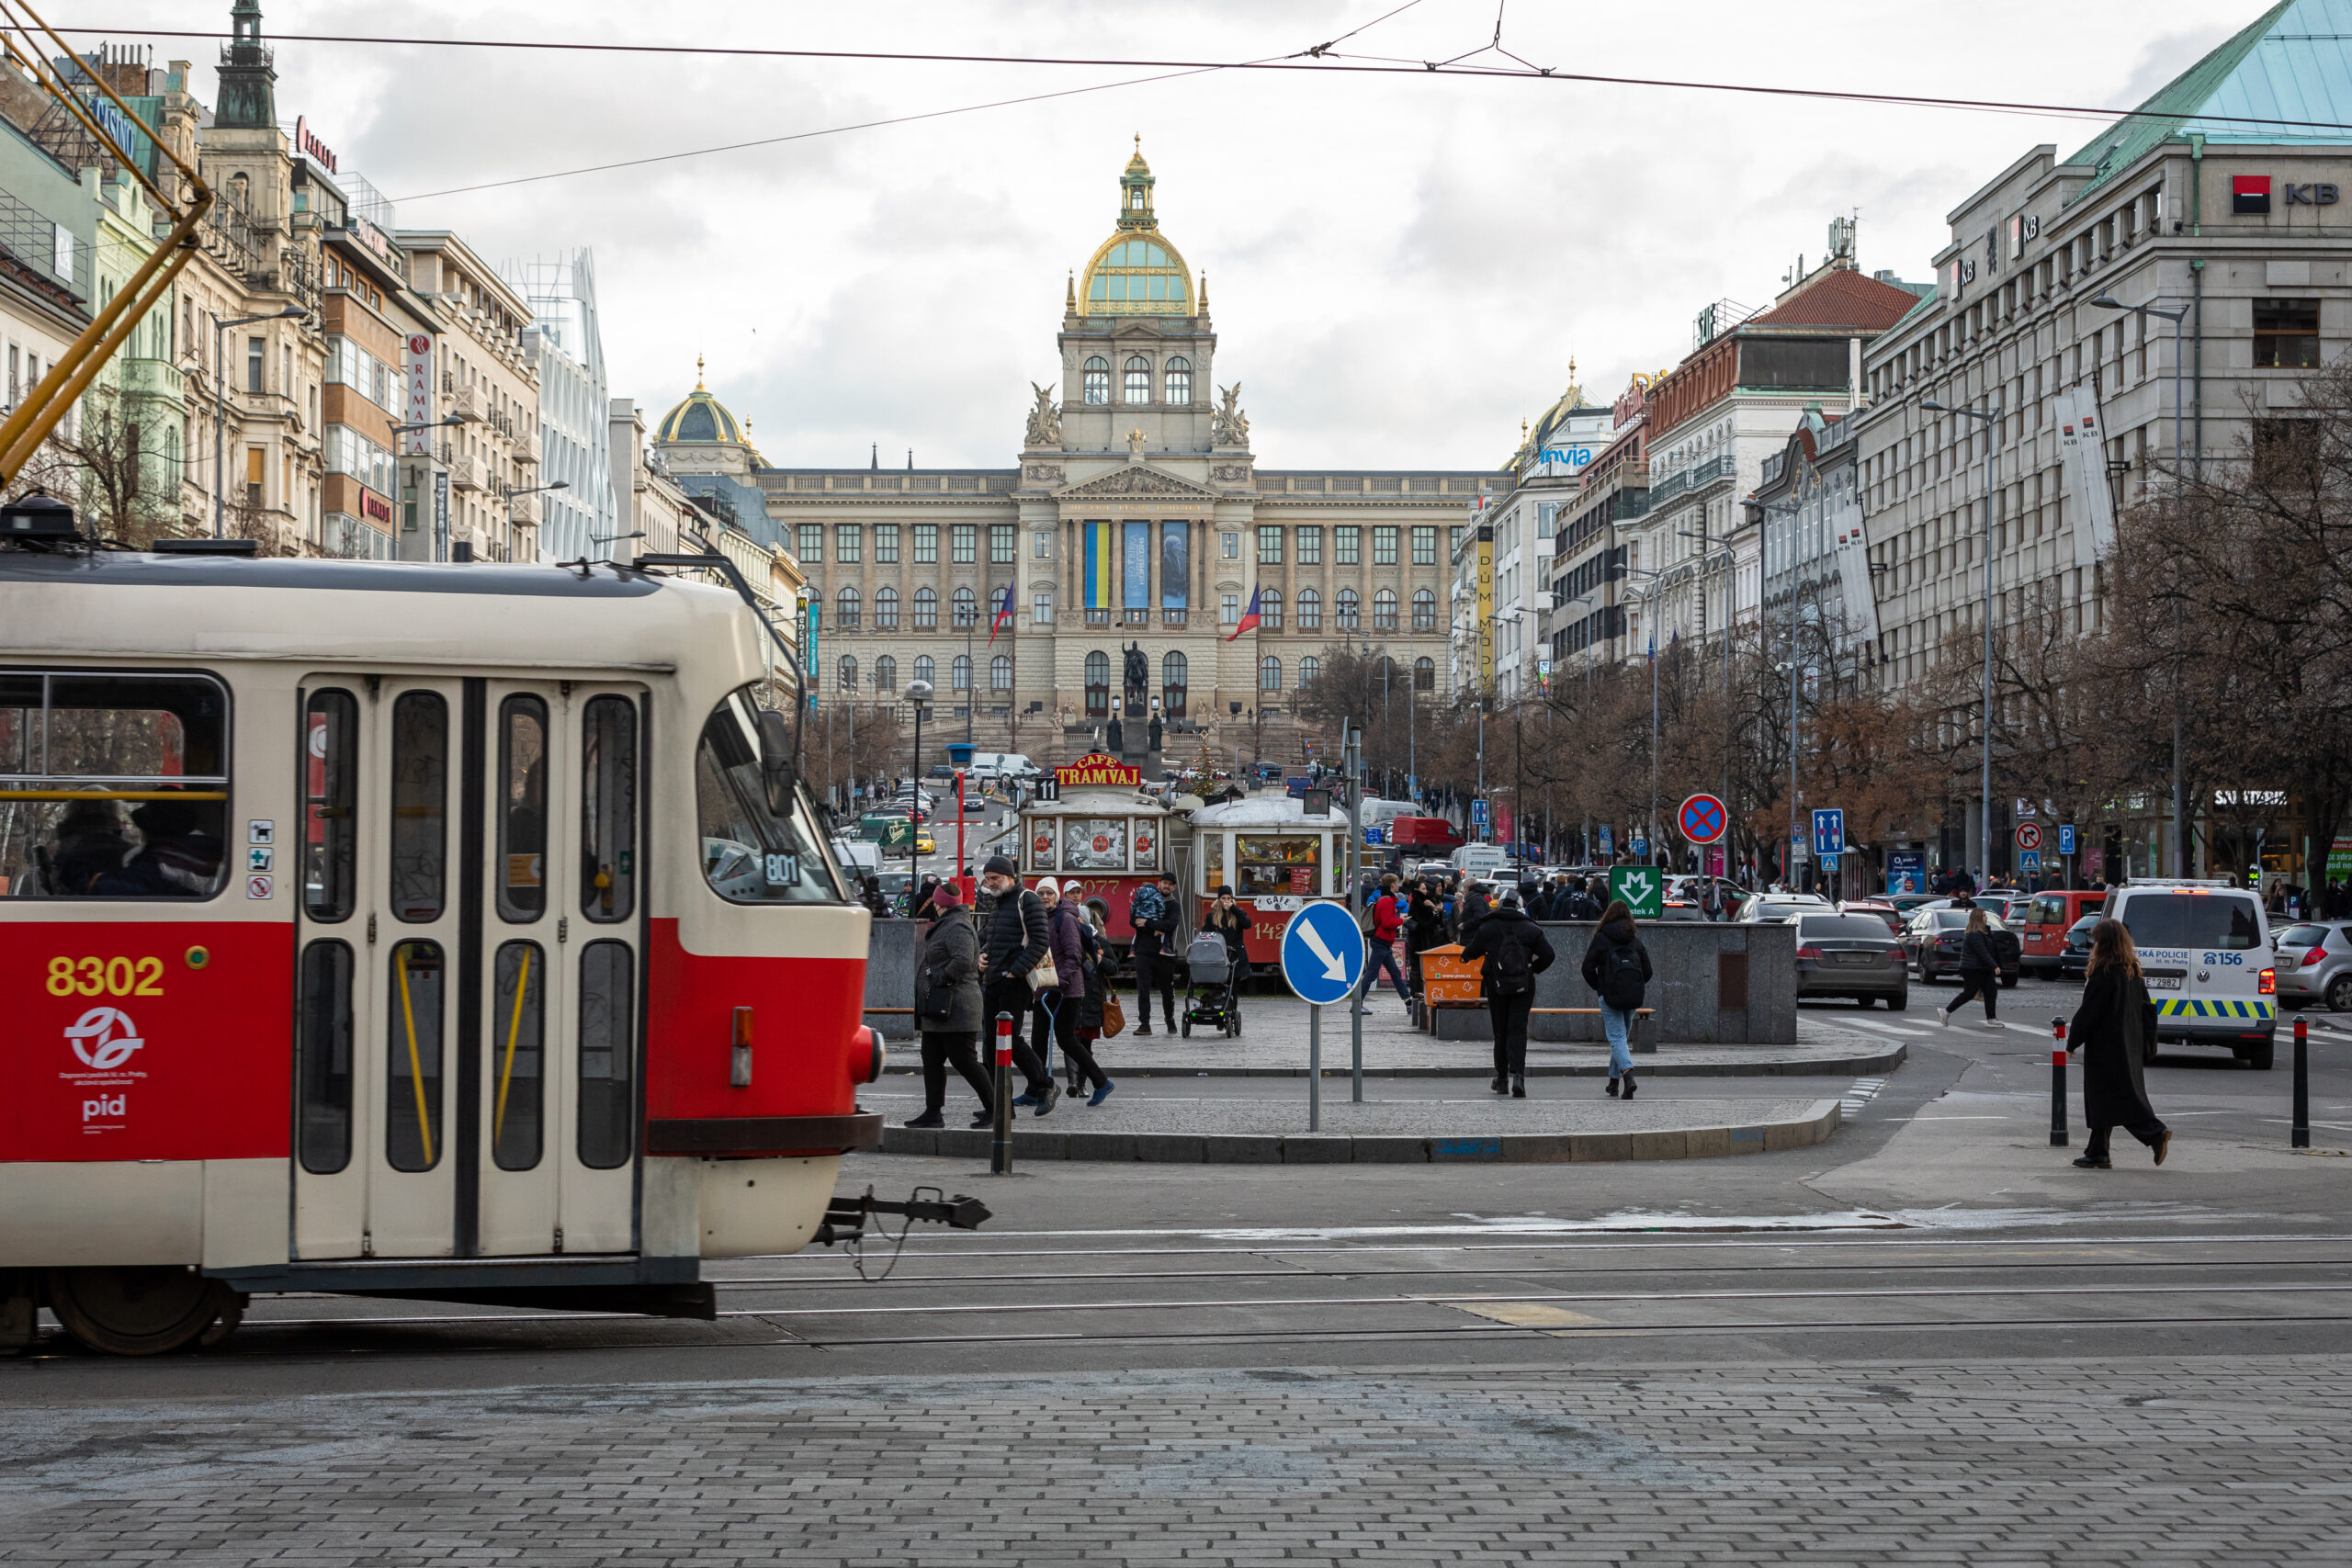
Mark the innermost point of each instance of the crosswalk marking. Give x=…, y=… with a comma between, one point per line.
x=1861, y=1092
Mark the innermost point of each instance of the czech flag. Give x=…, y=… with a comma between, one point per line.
x=1003, y=616
x=1249, y=622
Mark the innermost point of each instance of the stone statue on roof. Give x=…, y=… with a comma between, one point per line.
x=1045, y=419
x=1229, y=426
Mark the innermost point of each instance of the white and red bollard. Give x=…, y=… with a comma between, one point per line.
x=2057, y=1083
x=1000, y=1151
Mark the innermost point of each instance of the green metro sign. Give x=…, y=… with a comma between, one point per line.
x=1642, y=886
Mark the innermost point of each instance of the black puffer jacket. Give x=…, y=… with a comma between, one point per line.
x=1602, y=956
x=1015, y=937
x=1977, y=953
x=1511, y=944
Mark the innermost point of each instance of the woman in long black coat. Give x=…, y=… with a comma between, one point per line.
x=2112, y=1028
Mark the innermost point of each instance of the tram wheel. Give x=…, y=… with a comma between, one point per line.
x=143, y=1312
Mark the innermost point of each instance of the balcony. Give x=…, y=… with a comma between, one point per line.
x=1698, y=475
x=463, y=404
x=151, y=379
x=523, y=508
x=465, y=472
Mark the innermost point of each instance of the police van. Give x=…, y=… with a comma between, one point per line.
x=2205, y=953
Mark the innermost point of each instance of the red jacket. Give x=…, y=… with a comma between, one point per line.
x=1387, y=922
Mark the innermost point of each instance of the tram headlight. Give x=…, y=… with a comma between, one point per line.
x=867, y=1054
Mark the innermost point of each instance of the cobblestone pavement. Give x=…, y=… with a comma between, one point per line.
x=2232, y=1460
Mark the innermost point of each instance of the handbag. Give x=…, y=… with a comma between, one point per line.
x=1114, y=1018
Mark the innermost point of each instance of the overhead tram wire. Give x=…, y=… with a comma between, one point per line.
x=1312, y=61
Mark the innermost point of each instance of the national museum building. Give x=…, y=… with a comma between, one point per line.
x=1136, y=515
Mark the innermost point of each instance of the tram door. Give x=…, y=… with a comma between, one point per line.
x=467, y=1056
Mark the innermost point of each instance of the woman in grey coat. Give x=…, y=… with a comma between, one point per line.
x=948, y=1007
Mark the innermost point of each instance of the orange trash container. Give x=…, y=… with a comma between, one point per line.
x=1447, y=981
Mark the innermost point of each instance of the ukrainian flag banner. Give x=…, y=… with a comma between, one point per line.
x=1097, y=566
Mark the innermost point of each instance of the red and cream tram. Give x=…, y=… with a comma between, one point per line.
x=1100, y=830
x=1276, y=858
x=455, y=932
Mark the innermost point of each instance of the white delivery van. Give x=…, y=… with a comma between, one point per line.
x=986, y=765
x=1480, y=860
x=2205, y=953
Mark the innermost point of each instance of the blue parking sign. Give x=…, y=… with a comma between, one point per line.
x=2065, y=837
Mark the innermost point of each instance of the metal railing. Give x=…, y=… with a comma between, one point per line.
x=1697, y=476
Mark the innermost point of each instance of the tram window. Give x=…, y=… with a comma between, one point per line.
x=112, y=785
x=607, y=1054
x=420, y=804
x=325, y=1058
x=330, y=786
x=1095, y=843
x=608, y=810
x=522, y=808
x=412, y=1089
x=751, y=853
x=1286, y=867
x=517, y=1101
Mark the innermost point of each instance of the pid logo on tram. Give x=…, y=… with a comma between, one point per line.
x=105, y=1039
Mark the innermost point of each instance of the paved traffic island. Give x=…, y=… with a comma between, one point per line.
x=1270, y=1129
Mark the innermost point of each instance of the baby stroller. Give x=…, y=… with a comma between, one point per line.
x=1212, y=990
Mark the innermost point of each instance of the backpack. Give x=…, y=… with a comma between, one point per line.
x=1621, y=976
x=1506, y=971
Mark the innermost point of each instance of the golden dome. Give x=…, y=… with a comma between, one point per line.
x=701, y=417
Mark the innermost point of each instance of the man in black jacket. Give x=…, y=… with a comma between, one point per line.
x=1515, y=950
x=1013, y=943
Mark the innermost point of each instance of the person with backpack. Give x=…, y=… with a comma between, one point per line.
x=1617, y=967
x=947, y=1006
x=1152, y=917
x=1514, y=949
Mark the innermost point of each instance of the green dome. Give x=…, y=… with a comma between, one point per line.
x=700, y=418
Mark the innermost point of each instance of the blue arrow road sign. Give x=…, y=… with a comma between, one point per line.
x=1323, y=952
x=1478, y=815
x=2065, y=837
x=1829, y=831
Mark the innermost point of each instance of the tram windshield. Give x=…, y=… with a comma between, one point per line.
x=752, y=853
x=112, y=785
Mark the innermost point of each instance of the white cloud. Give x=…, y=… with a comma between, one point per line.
x=1400, y=266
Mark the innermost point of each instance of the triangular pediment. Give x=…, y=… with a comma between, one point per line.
x=1133, y=478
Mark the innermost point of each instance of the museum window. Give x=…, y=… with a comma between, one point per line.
x=1139, y=380
x=960, y=674
x=1424, y=674
x=967, y=542
x=2286, y=335
x=848, y=549
x=1044, y=547
x=1346, y=547
x=1098, y=381
x=845, y=610
x=1424, y=610
x=1041, y=608
x=1343, y=610
x=1383, y=545
x=1453, y=540
x=886, y=609
x=1229, y=546
x=1424, y=544
x=1310, y=610
x=812, y=543
x=1309, y=668
x=885, y=674
x=1004, y=544
x=1270, y=673
x=1270, y=544
x=926, y=610
x=1098, y=683
x=1180, y=381
x=1000, y=672
x=926, y=543
x=1310, y=547
x=926, y=671
x=1384, y=610
x=1270, y=610
x=966, y=609
x=1229, y=610
x=885, y=544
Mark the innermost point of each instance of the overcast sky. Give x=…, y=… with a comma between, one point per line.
x=1400, y=268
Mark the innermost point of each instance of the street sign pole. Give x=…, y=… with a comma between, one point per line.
x=1354, y=757
x=1314, y=1069
x=1323, y=959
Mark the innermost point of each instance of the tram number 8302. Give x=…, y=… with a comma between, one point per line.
x=104, y=976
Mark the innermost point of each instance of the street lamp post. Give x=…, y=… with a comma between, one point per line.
x=220, y=396
x=2179, y=791
x=1991, y=419
x=919, y=693
x=527, y=490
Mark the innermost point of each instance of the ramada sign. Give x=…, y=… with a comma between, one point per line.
x=1094, y=768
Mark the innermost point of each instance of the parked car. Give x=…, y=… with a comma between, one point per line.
x=2075, y=957
x=1879, y=908
x=2049, y=924
x=1910, y=904
x=1777, y=908
x=1851, y=955
x=1933, y=941
x=2314, y=965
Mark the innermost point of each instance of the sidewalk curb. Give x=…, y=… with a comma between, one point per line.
x=1817, y=1067
x=1820, y=1119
